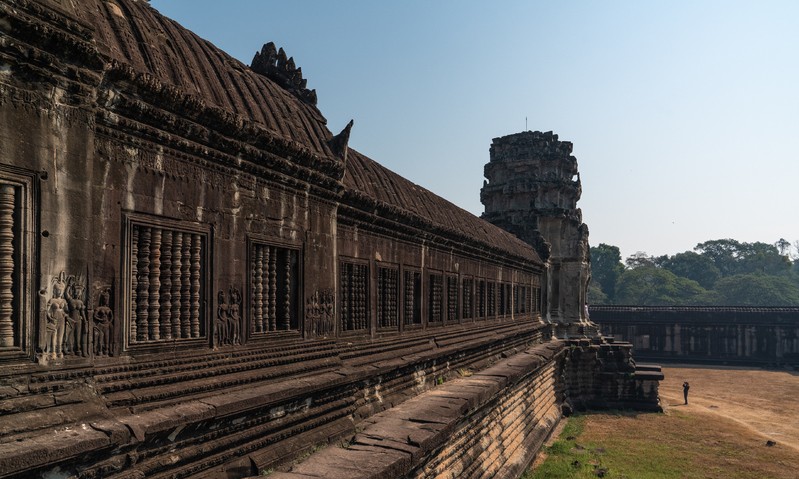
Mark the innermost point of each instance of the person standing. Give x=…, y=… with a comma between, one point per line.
x=685, y=388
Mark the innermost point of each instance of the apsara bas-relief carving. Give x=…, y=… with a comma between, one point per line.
x=319, y=311
x=227, y=324
x=103, y=323
x=67, y=331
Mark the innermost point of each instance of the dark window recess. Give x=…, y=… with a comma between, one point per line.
x=452, y=298
x=492, y=299
x=523, y=301
x=435, y=298
x=468, y=298
x=387, y=304
x=508, y=298
x=413, y=298
x=274, y=288
x=481, y=299
x=354, y=287
x=501, y=308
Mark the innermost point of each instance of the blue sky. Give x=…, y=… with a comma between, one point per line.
x=684, y=114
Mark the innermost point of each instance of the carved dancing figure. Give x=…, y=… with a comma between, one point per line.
x=56, y=318
x=103, y=319
x=220, y=324
x=328, y=302
x=234, y=319
x=77, y=338
x=319, y=310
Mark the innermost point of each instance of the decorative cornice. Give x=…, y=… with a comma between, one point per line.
x=373, y=215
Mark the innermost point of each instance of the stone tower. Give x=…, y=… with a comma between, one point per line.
x=532, y=190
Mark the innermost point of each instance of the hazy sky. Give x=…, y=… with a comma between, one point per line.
x=684, y=115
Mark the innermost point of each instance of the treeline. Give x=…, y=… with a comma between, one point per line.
x=721, y=272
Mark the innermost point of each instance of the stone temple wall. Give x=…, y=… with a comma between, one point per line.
x=730, y=335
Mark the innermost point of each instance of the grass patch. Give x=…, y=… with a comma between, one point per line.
x=675, y=445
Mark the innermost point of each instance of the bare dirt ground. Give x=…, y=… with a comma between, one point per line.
x=721, y=433
x=766, y=401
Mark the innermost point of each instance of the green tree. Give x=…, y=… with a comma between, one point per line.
x=692, y=266
x=762, y=258
x=757, y=289
x=639, y=259
x=606, y=267
x=723, y=253
x=783, y=246
x=733, y=257
x=652, y=286
x=596, y=295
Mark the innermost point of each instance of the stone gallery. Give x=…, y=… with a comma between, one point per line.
x=744, y=335
x=199, y=279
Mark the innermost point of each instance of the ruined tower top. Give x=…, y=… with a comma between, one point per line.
x=528, y=172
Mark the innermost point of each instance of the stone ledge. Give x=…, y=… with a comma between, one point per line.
x=393, y=442
x=118, y=431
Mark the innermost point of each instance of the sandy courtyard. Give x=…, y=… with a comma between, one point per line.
x=767, y=401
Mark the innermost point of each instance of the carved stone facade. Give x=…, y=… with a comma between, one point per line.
x=532, y=190
x=199, y=279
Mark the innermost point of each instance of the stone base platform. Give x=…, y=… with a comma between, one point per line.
x=490, y=424
x=230, y=413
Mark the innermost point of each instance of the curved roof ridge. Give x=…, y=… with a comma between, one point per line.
x=425, y=204
x=134, y=33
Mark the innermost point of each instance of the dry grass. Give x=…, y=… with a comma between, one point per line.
x=722, y=433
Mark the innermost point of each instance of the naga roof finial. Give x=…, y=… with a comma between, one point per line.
x=278, y=67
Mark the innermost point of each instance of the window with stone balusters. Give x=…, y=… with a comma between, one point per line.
x=412, y=298
x=387, y=295
x=435, y=299
x=481, y=299
x=274, y=288
x=354, y=293
x=504, y=299
x=167, y=268
x=492, y=299
x=452, y=298
x=468, y=298
x=16, y=251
